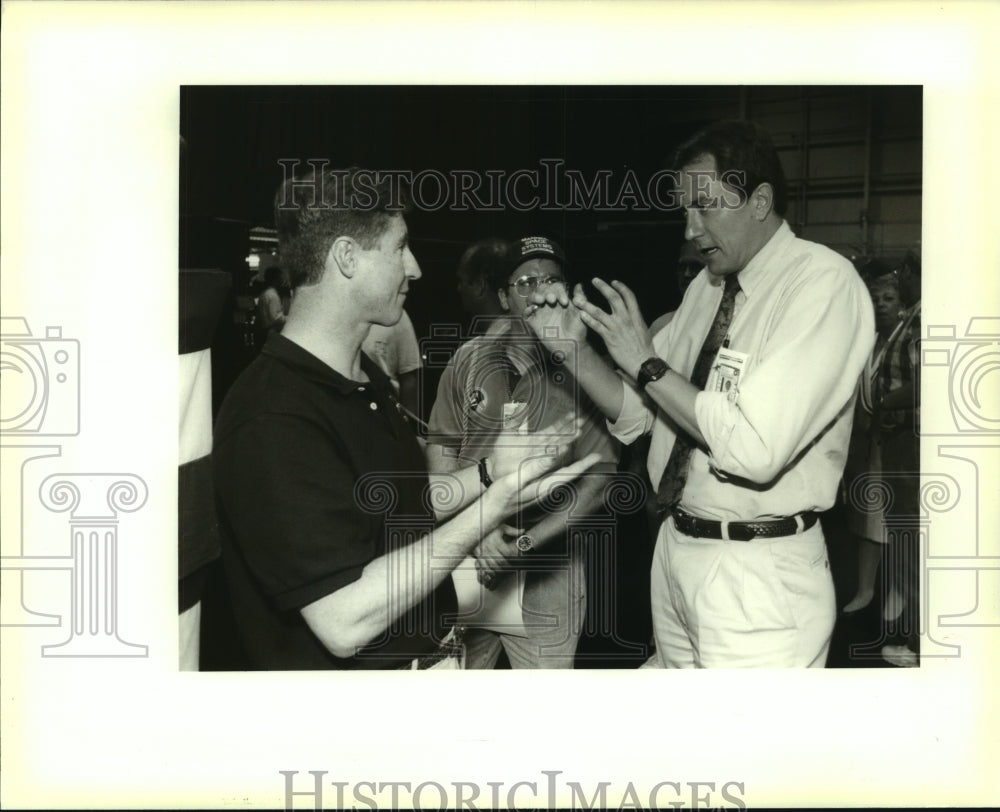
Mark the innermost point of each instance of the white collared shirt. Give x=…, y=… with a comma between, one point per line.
x=778, y=441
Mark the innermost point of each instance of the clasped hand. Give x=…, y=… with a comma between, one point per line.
x=555, y=315
x=525, y=468
x=494, y=552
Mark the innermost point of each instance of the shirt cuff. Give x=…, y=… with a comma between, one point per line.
x=633, y=418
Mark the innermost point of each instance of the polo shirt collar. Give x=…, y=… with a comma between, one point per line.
x=313, y=369
x=756, y=271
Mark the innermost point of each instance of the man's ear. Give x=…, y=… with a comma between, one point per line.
x=502, y=296
x=762, y=201
x=343, y=256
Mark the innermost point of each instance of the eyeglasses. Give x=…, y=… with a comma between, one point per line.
x=526, y=285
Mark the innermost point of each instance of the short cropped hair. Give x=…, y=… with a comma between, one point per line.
x=312, y=211
x=739, y=147
x=871, y=268
x=885, y=281
x=486, y=260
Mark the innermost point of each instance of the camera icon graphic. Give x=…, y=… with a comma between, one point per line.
x=40, y=381
x=968, y=368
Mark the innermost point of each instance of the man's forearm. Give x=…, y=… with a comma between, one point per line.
x=676, y=395
x=673, y=393
x=600, y=381
x=357, y=614
x=456, y=479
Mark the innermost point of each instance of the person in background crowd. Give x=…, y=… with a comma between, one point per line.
x=864, y=459
x=749, y=393
x=336, y=553
x=481, y=263
x=501, y=377
x=689, y=265
x=274, y=301
x=897, y=418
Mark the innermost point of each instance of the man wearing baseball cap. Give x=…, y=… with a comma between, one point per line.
x=506, y=378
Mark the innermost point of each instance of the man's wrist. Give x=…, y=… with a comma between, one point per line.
x=485, y=471
x=650, y=370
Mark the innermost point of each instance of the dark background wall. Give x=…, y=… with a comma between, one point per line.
x=852, y=154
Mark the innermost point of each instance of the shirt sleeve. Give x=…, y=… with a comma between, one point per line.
x=637, y=415
x=407, y=348
x=635, y=418
x=805, y=376
x=444, y=426
x=595, y=438
x=288, y=498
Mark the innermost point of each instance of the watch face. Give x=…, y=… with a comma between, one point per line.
x=652, y=370
x=524, y=543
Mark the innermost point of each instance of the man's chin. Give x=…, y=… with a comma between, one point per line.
x=390, y=320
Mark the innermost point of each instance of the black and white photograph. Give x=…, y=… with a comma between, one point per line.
x=584, y=349
x=503, y=194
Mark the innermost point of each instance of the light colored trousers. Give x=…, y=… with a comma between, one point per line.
x=552, y=611
x=766, y=603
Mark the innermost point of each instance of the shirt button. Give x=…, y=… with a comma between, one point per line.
x=373, y=406
x=361, y=389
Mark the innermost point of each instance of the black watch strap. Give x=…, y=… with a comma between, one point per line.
x=652, y=369
x=484, y=475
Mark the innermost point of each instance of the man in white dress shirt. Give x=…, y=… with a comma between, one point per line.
x=748, y=444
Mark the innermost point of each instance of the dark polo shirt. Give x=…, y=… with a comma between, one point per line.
x=316, y=476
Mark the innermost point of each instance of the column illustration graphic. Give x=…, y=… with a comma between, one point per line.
x=93, y=502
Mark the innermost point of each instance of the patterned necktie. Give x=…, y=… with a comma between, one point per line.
x=668, y=495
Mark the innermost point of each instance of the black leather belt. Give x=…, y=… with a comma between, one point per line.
x=742, y=531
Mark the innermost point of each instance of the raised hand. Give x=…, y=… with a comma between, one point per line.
x=553, y=317
x=623, y=329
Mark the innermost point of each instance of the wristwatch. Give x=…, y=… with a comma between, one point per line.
x=652, y=369
x=484, y=475
x=524, y=543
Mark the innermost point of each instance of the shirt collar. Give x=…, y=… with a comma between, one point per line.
x=312, y=368
x=757, y=268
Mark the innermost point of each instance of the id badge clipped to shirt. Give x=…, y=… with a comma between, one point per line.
x=513, y=411
x=726, y=371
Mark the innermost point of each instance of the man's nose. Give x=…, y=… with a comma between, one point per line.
x=692, y=225
x=411, y=266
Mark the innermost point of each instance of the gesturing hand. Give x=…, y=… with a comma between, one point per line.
x=534, y=479
x=623, y=329
x=553, y=318
x=493, y=553
x=515, y=444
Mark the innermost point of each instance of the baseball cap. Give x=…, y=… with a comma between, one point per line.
x=535, y=247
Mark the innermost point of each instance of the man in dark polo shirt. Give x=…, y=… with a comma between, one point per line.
x=323, y=494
